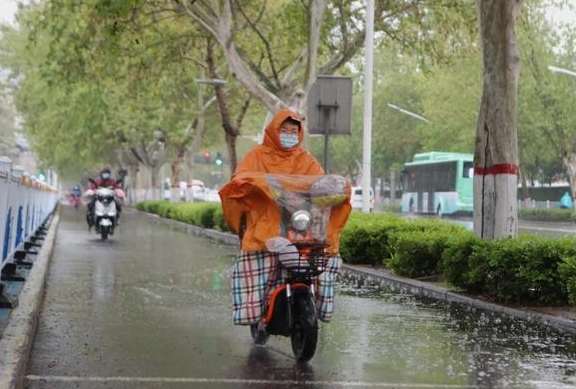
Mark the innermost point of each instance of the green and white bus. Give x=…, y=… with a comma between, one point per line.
x=438, y=183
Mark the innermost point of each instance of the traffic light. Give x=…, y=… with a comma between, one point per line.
x=218, y=160
x=207, y=156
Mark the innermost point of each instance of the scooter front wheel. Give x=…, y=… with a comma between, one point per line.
x=304, y=334
x=259, y=337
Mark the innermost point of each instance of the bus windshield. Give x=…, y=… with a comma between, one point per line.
x=438, y=182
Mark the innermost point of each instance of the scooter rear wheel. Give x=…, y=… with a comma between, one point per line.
x=259, y=337
x=304, y=336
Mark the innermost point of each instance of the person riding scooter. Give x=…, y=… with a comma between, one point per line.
x=75, y=196
x=104, y=180
x=254, y=268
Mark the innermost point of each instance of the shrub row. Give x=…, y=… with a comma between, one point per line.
x=547, y=214
x=531, y=269
x=528, y=270
x=536, y=214
x=203, y=214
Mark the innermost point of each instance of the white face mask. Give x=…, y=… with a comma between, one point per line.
x=288, y=140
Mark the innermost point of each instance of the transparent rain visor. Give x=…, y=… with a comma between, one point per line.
x=305, y=202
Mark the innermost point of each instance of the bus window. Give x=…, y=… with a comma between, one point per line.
x=404, y=178
x=468, y=170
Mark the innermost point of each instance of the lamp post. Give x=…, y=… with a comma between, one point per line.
x=408, y=113
x=367, y=134
x=555, y=69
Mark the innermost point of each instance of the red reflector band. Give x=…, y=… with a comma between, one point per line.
x=501, y=168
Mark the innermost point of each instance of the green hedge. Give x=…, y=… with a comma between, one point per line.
x=364, y=239
x=527, y=270
x=203, y=214
x=547, y=214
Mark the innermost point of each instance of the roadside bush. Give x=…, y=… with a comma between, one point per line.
x=202, y=214
x=150, y=206
x=219, y=221
x=567, y=271
x=417, y=251
x=364, y=239
x=391, y=208
x=165, y=209
x=207, y=211
x=546, y=214
x=522, y=270
x=456, y=265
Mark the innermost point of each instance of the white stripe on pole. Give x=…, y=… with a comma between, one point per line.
x=367, y=150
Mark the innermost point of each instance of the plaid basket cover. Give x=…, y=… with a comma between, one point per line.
x=256, y=274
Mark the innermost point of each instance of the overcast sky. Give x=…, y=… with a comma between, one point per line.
x=7, y=10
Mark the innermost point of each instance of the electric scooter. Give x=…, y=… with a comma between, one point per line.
x=301, y=251
x=105, y=213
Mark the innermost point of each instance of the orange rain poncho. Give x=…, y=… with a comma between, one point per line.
x=248, y=194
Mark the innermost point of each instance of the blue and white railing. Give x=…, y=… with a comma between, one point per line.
x=25, y=205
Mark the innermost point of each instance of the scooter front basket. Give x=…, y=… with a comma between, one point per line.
x=303, y=260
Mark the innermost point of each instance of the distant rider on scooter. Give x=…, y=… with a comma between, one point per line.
x=254, y=269
x=75, y=195
x=105, y=180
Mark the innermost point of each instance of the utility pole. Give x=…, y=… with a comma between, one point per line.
x=367, y=138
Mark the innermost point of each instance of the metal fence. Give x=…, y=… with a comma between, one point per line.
x=25, y=204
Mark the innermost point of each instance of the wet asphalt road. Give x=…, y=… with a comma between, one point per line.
x=151, y=309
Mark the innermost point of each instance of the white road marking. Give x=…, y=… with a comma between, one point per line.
x=330, y=384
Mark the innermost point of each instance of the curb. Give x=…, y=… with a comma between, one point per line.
x=396, y=284
x=18, y=334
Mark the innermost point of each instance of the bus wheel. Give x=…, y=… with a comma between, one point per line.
x=439, y=211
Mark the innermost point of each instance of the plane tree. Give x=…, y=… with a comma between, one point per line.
x=53, y=114
x=317, y=37
x=549, y=127
x=7, y=128
x=142, y=91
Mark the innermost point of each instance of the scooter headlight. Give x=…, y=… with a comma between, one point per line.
x=301, y=220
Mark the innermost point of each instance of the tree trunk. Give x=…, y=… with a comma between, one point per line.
x=177, y=163
x=230, y=130
x=232, y=155
x=496, y=148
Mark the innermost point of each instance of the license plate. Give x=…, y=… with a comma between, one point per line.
x=105, y=222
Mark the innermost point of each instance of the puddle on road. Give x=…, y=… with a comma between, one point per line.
x=486, y=348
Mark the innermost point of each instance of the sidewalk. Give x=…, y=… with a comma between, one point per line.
x=18, y=332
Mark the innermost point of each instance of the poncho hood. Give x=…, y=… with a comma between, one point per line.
x=271, y=157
